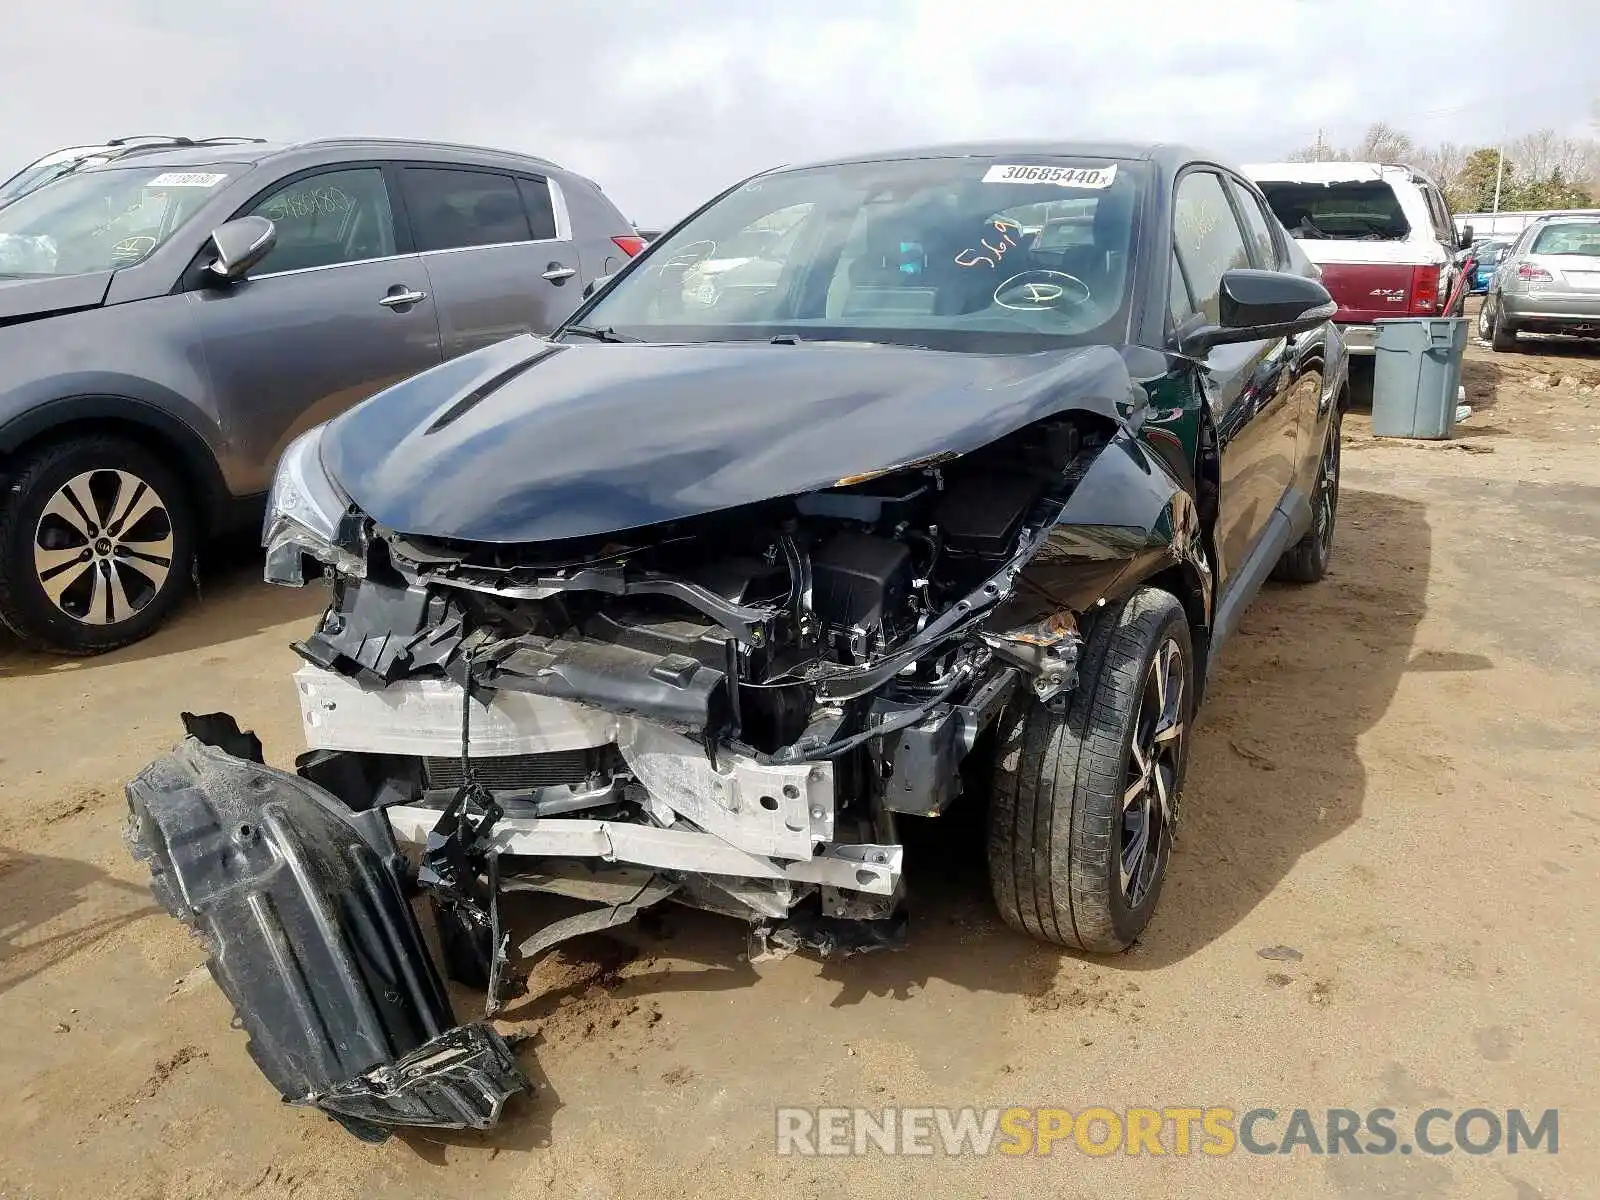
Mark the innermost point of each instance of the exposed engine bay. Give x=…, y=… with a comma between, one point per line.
x=747, y=699
x=732, y=711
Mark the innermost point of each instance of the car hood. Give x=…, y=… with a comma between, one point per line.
x=533, y=441
x=24, y=299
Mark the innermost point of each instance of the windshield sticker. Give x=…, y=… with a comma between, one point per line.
x=1007, y=235
x=1068, y=177
x=186, y=179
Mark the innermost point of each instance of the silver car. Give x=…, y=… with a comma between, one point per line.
x=1548, y=282
x=172, y=319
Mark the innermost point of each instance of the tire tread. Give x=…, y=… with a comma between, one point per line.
x=1057, y=783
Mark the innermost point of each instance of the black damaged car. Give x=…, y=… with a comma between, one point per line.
x=870, y=477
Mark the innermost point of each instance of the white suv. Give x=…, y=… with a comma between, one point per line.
x=1381, y=234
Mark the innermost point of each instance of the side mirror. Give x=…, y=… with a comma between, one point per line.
x=241, y=244
x=1466, y=237
x=1256, y=305
x=595, y=284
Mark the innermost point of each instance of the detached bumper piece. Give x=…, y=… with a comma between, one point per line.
x=310, y=936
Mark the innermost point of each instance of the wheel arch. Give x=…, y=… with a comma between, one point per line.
x=1183, y=581
x=152, y=428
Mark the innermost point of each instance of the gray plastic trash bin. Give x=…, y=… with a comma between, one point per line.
x=1417, y=375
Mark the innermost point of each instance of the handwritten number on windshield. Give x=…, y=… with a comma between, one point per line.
x=970, y=257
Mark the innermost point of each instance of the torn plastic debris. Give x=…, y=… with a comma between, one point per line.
x=458, y=1080
x=309, y=933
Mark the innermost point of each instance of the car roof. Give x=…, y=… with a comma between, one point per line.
x=1334, y=172
x=188, y=156
x=259, y=152
x=1163, y=154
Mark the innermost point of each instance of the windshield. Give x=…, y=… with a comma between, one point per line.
x=100, y=220
x=1569, y=237
x=1338, y=211
x=31, y=177
x=951, y=253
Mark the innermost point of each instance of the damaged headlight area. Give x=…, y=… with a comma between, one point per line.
x=309, y=517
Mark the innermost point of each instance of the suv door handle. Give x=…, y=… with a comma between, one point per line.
x=556, y=273
x=396, y=299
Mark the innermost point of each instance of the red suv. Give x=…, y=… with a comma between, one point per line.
x=1381, y=234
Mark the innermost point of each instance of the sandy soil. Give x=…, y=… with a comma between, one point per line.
x=1394, y=777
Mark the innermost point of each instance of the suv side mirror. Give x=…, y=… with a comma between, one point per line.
x=1260, y=304
x=595, y=284
x=240, y=245
x=1466, y=237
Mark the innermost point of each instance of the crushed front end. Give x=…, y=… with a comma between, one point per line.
x=732, y=710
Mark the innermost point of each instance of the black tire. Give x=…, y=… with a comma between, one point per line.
x=1502, y=334
x=126, y=576
x=1307, y=560
x=1058, y=827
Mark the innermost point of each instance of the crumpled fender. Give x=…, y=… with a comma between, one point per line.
x=1128, y=518
x=310, y=936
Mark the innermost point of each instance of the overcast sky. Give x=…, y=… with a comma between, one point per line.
x=664, y=103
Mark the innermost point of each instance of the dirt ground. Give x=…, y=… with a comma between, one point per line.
x=1394, y=778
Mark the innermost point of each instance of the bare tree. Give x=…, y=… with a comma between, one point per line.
x=1544, y=152
x=1540, y=161
x=1442, y=162
x=1384, y=143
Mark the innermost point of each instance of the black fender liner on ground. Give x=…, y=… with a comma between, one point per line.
x=300, y=904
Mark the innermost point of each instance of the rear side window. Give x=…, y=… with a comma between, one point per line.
x=451, y=209
x=1572, y=237
x=322, y=220
x=541, y=211
x=1206, y=235
x=1364, y=211
x=1259, y=227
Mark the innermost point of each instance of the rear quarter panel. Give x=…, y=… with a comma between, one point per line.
x=595, y=221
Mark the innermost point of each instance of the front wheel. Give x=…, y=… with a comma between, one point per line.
x=96, y=542
x=1086, y=794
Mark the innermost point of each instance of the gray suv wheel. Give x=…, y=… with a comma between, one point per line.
x=96, y=540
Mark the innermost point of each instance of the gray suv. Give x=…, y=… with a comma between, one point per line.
x=170, y=322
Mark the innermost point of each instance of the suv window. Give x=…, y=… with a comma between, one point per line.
x=1443, y=228
x=450, y=209
x=328, y=218
x=1364, y=211
x=541, y=210
x=1259, y=226
x=1206, y=235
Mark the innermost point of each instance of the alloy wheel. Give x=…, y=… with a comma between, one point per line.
x=1155, y=760
x=103, y=547
x=1327, y=498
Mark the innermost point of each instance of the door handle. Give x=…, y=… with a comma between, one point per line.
x=396, y=299
x=556, y=273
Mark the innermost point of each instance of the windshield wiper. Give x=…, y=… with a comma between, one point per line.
x=603, y=334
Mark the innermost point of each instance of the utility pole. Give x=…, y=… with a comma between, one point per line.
x=1500, y=162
